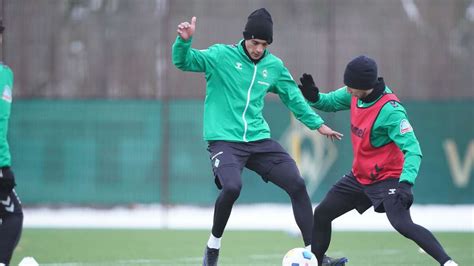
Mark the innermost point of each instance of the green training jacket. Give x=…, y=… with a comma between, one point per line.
x=6, y=87
x=387, y=127
x=236, y=89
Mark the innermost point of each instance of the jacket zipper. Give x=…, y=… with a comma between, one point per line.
x=248, y=102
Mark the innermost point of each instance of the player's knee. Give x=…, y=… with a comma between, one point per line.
x=232, y=191
x=297, y=187
x=295, y=184
x=322, y=214
x=402, y=226
x=402, y=230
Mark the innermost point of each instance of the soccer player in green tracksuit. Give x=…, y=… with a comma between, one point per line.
x=238, y=78
x=386, y=152
x=11, y=214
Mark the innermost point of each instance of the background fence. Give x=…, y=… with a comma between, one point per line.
x=101, y=116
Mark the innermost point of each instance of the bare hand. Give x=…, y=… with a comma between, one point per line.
x=186, y=29
x=328, y=132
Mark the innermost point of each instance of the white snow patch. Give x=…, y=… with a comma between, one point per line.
x=243, y=217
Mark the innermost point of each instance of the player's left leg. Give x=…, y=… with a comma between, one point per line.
x=11, y=224
x=286, y=176
x=270, y=160
x=400, y=219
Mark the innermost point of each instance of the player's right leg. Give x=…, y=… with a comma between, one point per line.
x=227, y=164
x=329, y=209
x=11, y=224
x=344, y=196
x=231, y=183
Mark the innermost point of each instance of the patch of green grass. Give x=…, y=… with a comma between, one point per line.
x=92, y=247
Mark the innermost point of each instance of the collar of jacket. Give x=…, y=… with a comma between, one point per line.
x=243, y=51
x=379, y=90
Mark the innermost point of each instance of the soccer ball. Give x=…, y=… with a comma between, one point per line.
x=299, y=257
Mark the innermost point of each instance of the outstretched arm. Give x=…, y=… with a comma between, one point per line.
x=329, y=133
x=186, y=29
x=186, y=58
x=401, y=133
x=334, y=101
x=286, y=88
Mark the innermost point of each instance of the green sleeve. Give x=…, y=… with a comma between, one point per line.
x=188, y=59
x=291, y=96
x=6, y=87
x=401, y=133
x=334, y=101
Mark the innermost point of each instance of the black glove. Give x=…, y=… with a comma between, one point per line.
x=7, y=182
x=404, y=194
x=307, y=87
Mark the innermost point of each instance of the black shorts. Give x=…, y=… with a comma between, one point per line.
x=10, y=204
x=364, y=196
x=259, y=156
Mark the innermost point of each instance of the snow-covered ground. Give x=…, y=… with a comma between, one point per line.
x=244, y=217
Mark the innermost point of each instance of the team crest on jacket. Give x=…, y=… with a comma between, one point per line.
x=265, y=73
x=405, y=127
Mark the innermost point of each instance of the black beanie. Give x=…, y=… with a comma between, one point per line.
x=259, y=26
x=361, y=73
